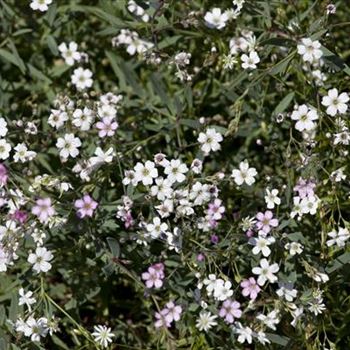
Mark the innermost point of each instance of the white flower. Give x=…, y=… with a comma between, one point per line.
x=250, y=62
x=215, y=18
x=245, y=334
x=309, y=205
x=272, y=198
x=305, y=118
x=206, y=321
x=83, y=119
x=338, y=175
x=40, y=259
x=244, y=174
x=5, y=149
x=335, y=103
x=262, y=245
x=57, y=118
x=296, y=207
x=68, y=146
x=41, y=5
x=294, y=248
x=3, y=127
x=22, y=154
x=26, y=298
x=70, y=53
x=182, y=58
x=156, y=228
x=162, y=189
x=211, y=283
x=102, y=335
x=81, y=78
x=210, y=140
x=101, y=157
x=342, y=137
x=266, y=272
x=286, y=290
x=175, y=171
x=35, y=329
x=339, y=238
x=310, y=50
x=270, y=320
x=199, y=193
x=145, y=172
x=222, y=290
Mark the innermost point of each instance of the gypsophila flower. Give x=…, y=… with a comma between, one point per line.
x=145, y=173
x=22, y=154
x=3, y=127
x=245, y=174
x=26, y=298
x=305, y=118
x=43, y=209
x=294, y=248
x=250, y=288
x=175, y=171
x=310, y=50
x=338, y=238
x=41, y=5
x=83, y=119
x=103, y=335
x=68, y=146
x=215, y=18
x=210, y=140
x=230, y=310
x=85, y=206
x=250, y=61
x=272, y=198
x=269, y=320
x=335, y=103
x=5, y=149
x=82, y=78
x=40, y=260
x=70, y=53
x=266, y=272
x=287, y=291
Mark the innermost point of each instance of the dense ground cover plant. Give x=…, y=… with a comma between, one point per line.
x=173, y=174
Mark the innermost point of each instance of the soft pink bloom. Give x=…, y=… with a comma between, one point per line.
x=230, y=309
x=216, y=210
x=154, y=276
x=3, y=175
x=173, y=311
x=107, y=126
x=161, y=319
x=20, y=215
x=266, y=221
x=43, y=209
x=250, y=287
x=305, y=188
x=85, y=206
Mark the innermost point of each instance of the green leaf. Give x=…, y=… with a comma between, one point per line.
x=283, y=105
x=338, y=262
x=8, y=56
x=114, y=246
x=281, y=66
x=278, y=339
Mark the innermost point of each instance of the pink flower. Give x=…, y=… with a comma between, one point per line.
x=85, y=206
x=173, y=311
x=230, y=309
x=305, y=188
x=20, y=215
x=161, y=319
x=266, y=221
x=43, y=209
x=250, y=287
x=216, y=210
x=107, y=126
x=3, y=175
x=154, y=276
